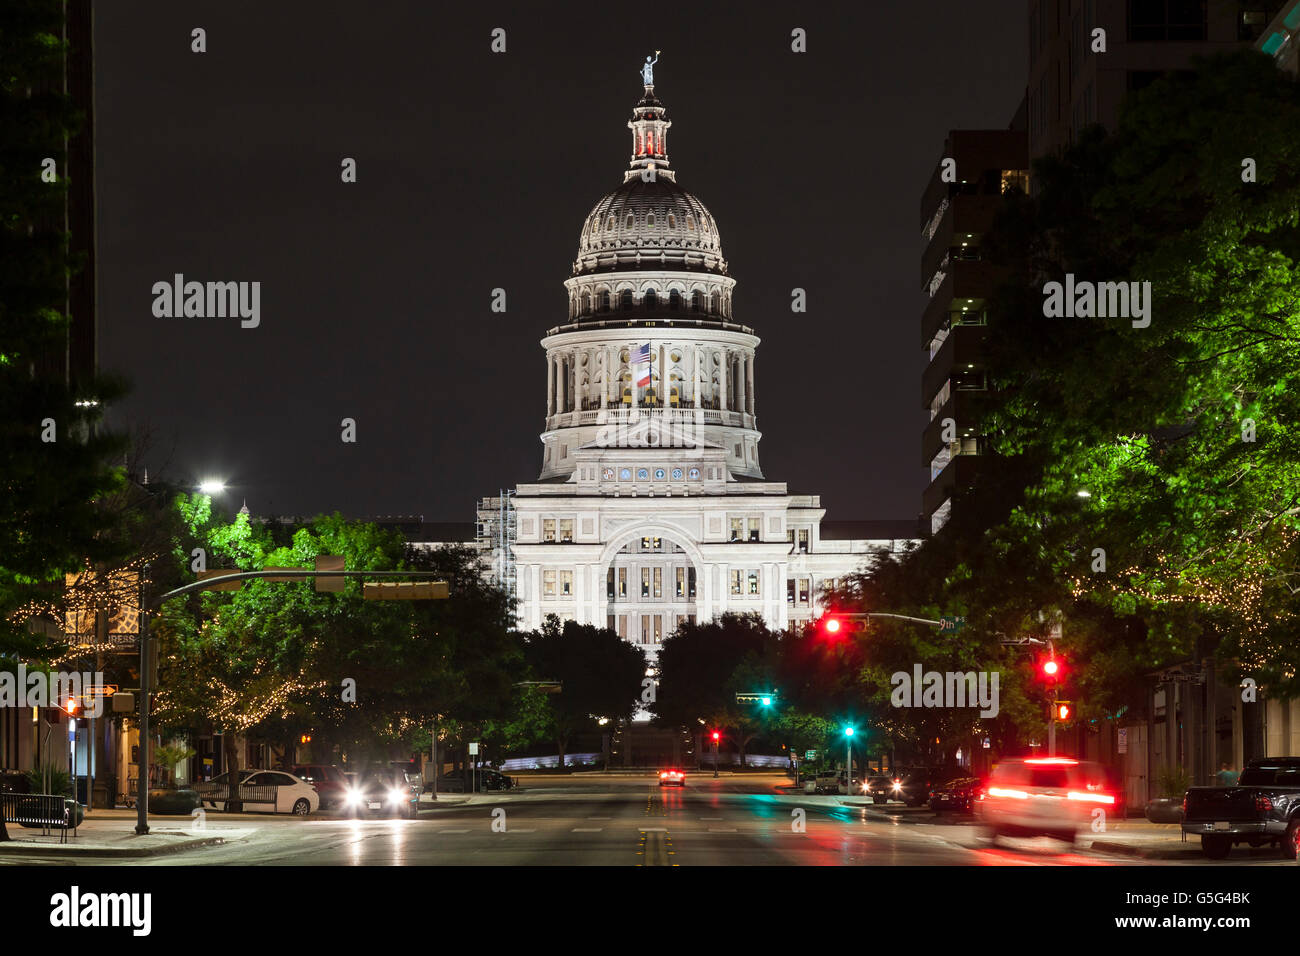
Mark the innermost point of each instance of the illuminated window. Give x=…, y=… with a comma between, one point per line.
x=736, y=583
x=805, y=590
x=566, y=529
x=548, y=529
x=610, y=224
x=645, y=582
x=681, y=582
x=672, y=221
x=753, y=582
x=659, y=582
x=737, y=529
x=548, y=584
x=753, y=529
x=566, y=583
x=622, y=582
x=803, y=540
x=690, y=222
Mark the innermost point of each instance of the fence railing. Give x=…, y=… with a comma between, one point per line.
x=44, y=810
x=210, y=792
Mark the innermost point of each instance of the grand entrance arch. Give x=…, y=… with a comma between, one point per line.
x=653, y=583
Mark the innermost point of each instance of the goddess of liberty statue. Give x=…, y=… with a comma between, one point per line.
x=648, y=71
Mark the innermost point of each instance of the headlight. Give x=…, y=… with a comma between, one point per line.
x=352, y=797
x=396, y=796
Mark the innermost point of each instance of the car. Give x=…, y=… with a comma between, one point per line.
x=218, y=788
x=268, y=791
x=959, y=794
x=1263, y=807
x=488, y=779
x=1044, y=796
x=878, y=786
x=326, y=778
x=383, y=791
x=912, y=785
x=672, y=778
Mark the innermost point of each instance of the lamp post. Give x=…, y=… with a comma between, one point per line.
x=848, y=762
x=715, y=753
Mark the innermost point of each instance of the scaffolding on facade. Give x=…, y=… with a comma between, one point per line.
x=495, y=537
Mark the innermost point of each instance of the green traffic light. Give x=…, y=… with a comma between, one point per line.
x=767, y=701
x=848, y=731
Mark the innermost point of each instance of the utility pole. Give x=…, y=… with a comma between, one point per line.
x=142, y=768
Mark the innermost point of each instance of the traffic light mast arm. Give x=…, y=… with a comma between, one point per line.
x=904, y=617
x=287, y=573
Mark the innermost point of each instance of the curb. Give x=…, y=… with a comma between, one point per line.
x=16, y=848
x=1148, y=853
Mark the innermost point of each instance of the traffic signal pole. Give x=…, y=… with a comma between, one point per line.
x=147, y=604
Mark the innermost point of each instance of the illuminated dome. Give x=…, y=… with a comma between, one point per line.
x=650, y=225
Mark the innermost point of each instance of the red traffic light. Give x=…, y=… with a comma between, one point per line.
x=1051, y=669
x=71, y=706
x=715, y=735
x=831, y=625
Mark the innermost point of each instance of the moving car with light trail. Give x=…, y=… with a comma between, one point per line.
x=1044, y=796
x=382, y=792
x=672, y=778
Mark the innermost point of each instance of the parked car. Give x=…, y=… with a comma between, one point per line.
x=383, y=791
x=488, y=779
x=828, y=781
x=1044, y=796
x=1262, y=808
x=270, y=791
x=327, y=779
x=958, y=794
x=218, y=788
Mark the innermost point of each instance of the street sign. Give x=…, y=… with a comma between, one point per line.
x=810, y=755
x=952, y=624
x=473, y=750
x=100, y=690
x=405, y=590
x=219, y=572
x=330, y=562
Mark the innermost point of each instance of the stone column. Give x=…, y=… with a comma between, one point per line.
x=604, y=378
x=742, y=404
x=550, y=385
x=749, y=390
x=723, y=359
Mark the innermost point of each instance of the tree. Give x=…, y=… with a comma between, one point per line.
x=599, y=674
x=54, y=457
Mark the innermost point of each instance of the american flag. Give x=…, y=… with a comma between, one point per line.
x=641, y=355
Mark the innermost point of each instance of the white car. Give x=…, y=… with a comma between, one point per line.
x=275, y=791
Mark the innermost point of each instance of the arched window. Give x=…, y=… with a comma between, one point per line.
x=651, y=299
x=672, y=221
x=713, y=303
x=586, y=303
x=604, y=301
x=609, y=225
x=697, y=301
x=631, y=220
x=690, y=222
x=625, y=300
x=675, y=300
x=650, y=219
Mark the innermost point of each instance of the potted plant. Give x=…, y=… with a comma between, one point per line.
x=1171, y=783
x=172, y=800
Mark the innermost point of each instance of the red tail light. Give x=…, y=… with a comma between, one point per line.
x=1261, y=802
x=1184, y=807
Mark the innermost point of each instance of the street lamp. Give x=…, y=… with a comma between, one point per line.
x=848, y=762
x=212, y=486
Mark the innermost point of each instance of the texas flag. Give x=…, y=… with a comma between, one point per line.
x=641, y=356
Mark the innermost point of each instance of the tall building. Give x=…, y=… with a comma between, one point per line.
x=957, y=209
x=651, y=506
x=1071, y=87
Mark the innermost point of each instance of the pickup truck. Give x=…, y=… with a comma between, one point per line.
x=1264, y=807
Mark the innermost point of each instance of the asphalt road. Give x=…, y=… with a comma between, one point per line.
x=631, y=821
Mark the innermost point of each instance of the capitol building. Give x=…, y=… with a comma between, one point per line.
x=651, y=507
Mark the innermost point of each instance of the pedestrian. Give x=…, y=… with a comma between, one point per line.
x=1226, y=777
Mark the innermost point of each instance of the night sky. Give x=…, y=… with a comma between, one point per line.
x=475, y=171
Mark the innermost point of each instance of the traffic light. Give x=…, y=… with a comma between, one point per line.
x=835, y=624
x=1062, y=710
x=715, y=735
x=1051, y=668
x=70, y=707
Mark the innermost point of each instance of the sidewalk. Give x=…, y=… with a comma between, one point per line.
x=111, y=833
x=1151, y=841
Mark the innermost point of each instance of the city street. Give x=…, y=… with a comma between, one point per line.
x=631, y=821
